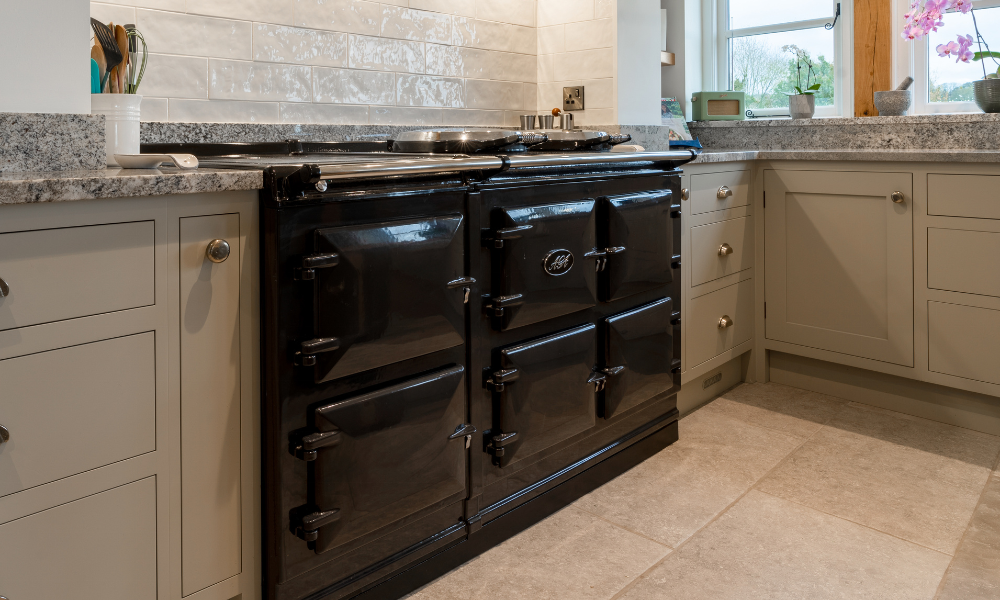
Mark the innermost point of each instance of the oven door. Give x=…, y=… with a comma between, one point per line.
x=544, y=393
x=543, y=264
x=388, y=454
x=638, y=351
x=639, y=244
x=385, y=292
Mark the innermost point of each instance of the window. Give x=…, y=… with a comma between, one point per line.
x=754, y=43
x=940, y=84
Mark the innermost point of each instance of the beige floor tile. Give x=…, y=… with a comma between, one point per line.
x=776, y=406
x=975, y=572
x=767, y=548
x=676, y=492
x=910, y=477
x=572, y=555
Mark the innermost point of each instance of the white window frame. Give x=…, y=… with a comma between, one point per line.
x=913, y=57
x=843, y=59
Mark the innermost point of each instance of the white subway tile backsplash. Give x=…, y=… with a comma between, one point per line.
x=595, y=116
x=407, y=24
x=605, y=8
x=222, y=111
x=554, y=12
x=343, y=86
x=493, y=94
x=383, y=54
x=552, y=39
x=299, y=112
x=279, y=43
x=174, y=5
x=269, y=11
x=514, y=67
x=473, y=118
x=586, y=35
x=153, y=109
x=174, y=33
x=595, y=64
x=456, y=61
x=492, y=36
x=518, y=12
x=524, y=40
x=462, y=8
x=239, y=80
x=175, y=77
x=598, y=93
x=512, y=118
x=107, y=13
x=393, y=115
x=463, y=31
x=350, y=16
x=530, y=102
x=424, y=90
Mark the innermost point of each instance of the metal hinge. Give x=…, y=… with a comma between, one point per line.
x=499, y=379
x=498, y=237
x=307, y=272
x=599, y=380
x=495, y=447
x=306, y=356
x=309, y=446
x=308, y=527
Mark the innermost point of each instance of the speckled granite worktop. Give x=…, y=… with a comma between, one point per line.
x=64, y=186
x=935, y=155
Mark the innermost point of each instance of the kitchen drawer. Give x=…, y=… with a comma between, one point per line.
x=102, y=547
x=972, y=196
x=964, y=341
x=75, y=409
x=706, y=337
x=709, y=244
x=708, y=191
x=963, y=261
x=56, y=274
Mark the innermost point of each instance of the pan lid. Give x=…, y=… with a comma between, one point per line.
x=465, y=141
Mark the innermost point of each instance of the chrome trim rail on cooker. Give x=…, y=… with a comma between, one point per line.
x=458, y=163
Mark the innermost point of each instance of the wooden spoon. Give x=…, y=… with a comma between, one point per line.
x=97, y=53
x=122, y=38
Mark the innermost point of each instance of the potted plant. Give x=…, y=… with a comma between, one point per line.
x=925, y=17
x=802, y=104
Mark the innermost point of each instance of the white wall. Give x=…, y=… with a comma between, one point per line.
x=46, y=56
x=639, y=62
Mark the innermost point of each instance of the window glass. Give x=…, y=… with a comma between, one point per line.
x=753, y=13
x=766, y=73
x=948, y=81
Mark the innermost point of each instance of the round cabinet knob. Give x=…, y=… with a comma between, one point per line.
x=724, y=192
x=4, y=436
x=725, y=250
x=4, y=292
x=218, y=251
x=685, y=194
x=725, y=322
x=898, y=197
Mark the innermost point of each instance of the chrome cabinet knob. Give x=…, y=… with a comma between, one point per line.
x=218, y=251
x=4, y=292
x=725, y=321
x=725, y=250
x=4, y=436
x=685, y=194
x=898, y=197
x=724, y=192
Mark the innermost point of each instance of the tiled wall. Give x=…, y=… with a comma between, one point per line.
x=413, y=62
x=576, y=46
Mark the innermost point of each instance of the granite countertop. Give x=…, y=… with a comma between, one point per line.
x=63, y=186
x=927, y=155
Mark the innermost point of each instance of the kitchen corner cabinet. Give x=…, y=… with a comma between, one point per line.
x=129, y=397
x=839, y=262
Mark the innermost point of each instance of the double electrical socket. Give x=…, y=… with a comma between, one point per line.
x=573, y=98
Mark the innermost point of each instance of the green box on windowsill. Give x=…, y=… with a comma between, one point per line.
x=718, y=106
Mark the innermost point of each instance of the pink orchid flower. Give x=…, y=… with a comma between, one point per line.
x=964, y=43
x=949, y=49
x=963, y=5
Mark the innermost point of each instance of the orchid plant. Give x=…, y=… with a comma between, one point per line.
x=926, y=16
x=801, y=56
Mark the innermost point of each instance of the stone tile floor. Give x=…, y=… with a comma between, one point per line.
x=773, y=493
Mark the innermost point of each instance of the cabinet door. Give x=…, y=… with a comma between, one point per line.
x=210, y=403
x=839, y=262
x=638, y=356
x=639, y=244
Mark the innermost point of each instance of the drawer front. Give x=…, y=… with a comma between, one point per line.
x=964, y=341
x=75, y=409
x=56, y=274
x=720, y=249
x=972, y=196
x=963, y=261
x=706, y=337
x=708, y=191
x=102, y=547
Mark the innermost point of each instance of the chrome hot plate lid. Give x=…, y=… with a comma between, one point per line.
x=465, y=141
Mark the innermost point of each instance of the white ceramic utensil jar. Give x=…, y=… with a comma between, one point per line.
x=121, y=122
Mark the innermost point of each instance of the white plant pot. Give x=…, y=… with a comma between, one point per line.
x=802, y=106
x=121, y=122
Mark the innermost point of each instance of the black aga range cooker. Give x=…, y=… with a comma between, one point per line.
x=456, y=346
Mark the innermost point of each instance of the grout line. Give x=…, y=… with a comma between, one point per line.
x=718, y=515
x=616, y=525
x=940, y=587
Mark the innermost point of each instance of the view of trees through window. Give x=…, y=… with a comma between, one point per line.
x=948, y=81
x=767, y=73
